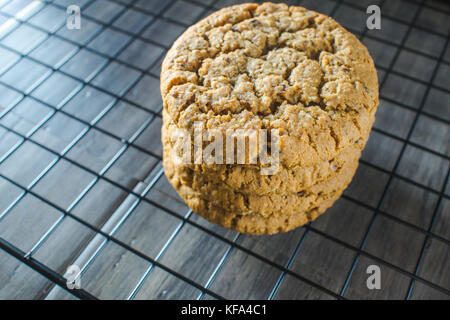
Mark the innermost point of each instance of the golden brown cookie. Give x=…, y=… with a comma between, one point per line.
x=267, y=67
x=254, y=223
x=238, y=203
x=247, y=179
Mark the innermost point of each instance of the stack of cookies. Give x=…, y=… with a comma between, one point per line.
x=268, y=67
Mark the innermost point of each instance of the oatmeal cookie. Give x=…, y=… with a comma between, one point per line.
x=247, y=179
x=254, y=223
x=269, y=66
x=271, y=204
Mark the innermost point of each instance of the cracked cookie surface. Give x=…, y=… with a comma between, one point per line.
x=270, y=66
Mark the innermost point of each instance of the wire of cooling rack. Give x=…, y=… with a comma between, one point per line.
x=233, y=244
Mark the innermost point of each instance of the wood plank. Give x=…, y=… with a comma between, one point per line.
x=436, y=104
x=18, y=281
x=60, y=133
x=8, y=142
x=95, y=150
x=402, y=90
x=66, y=85
x=57, y=293
x=432, y=134
x=415, y=65
x=23, y=227
x=140, y=54
x=294, y=289
x=64, y=184
x=27, y=116
x=410, y=203
x=96, y=212
x=150, y=138
x=245, y=277
x=442, y=223
x=395, y=243
x=124, y=120
x=26, y=75
x=165, y=195
x=367, y=185
x=436, y=263
x=215, y=228
x=393, y=119
x=423, y=167
x=277, y=248
x=147, y=229
x=64, y=245
x=161, y=285
x=123, y=75
x=323, y=261
x=382, y=150
x=394, y=285
x=345, y=221
x=27, y=164
x=10, y=193
x=89, y=104
x=132, y=166
x=424, y=292
x=184, y=252
x=114, y=273
x=84, y=65
x=54, y=51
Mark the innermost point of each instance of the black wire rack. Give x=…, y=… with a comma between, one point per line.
x=81, y=180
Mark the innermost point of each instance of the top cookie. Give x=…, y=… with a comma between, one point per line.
x=271, y=66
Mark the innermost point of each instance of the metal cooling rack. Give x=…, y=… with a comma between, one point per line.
x=81, y=180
